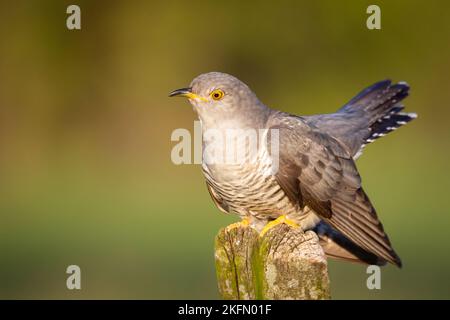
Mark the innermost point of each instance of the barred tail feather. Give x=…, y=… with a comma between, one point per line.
x=385, y=125
x=380, y=110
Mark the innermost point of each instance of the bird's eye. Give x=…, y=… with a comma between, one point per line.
x=217, y=94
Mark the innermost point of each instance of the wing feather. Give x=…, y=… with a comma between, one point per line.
x=222, y=205
x=327, y=181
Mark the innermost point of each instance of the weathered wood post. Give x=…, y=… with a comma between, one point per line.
x=286, y=263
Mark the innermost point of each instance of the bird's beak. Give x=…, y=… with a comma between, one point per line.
x=187, y=93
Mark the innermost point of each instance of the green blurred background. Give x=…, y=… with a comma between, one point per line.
x=85, y=124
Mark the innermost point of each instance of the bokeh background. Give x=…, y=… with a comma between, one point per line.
x=85, y=171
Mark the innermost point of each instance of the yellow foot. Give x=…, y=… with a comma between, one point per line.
x=277, y=221
x=243, y=223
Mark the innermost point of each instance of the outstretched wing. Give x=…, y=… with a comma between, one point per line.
x=318, y=171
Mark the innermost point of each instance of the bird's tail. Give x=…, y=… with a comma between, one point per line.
x=379, y=109
x=337, y=246
x=373, y=113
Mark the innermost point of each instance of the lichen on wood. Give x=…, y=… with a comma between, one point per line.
x=286, y=263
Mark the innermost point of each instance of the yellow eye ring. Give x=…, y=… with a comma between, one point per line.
x=217, y=94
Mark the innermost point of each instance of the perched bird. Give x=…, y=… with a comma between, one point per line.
x=317, y=186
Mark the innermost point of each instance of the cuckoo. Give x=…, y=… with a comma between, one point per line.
x=316, y=185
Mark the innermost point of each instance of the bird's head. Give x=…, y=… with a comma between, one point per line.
x=218, y=96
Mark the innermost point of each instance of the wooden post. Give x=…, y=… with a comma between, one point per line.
x=286, y=263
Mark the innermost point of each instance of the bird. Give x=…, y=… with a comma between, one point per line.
x=316, y=185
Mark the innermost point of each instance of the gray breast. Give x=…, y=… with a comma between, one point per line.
x=248, y=188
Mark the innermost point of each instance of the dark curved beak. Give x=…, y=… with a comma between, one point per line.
x=184, y=92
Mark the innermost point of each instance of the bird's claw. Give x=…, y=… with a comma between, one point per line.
x=243, y=223
x=277, y=221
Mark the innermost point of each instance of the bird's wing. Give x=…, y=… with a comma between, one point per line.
x=338, y=246
x=326, y=180
x=222, y=205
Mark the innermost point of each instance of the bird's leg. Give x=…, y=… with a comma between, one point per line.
x=245, y=222
x=277, y=221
